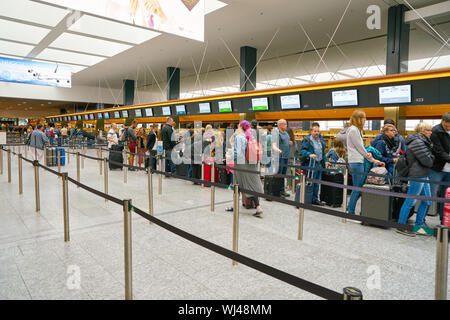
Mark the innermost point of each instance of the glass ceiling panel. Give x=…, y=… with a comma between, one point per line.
x=27, y=10
x=16, y=49
x=69, y=57
x=112, y=30
x=21, y=32
x=88, y=45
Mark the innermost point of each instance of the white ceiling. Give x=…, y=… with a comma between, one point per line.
x=105, y=51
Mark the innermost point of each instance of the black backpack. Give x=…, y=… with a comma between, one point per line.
x=402, y=166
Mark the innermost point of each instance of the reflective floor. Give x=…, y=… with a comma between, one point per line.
x=36, y=263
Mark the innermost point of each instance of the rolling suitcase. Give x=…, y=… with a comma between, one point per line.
x=332, y=196
x=273, y=186
x=396, y=202
x=374, y=205
x=207, y=173
x=309, y=187
x=62, y=156
x=117, y=157
x=446, y=218
x=182, y=170
x=248, y=202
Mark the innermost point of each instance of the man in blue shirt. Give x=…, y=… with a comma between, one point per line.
x=281, y=144
x=313, y=151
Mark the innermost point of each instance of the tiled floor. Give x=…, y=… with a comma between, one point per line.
x=36, y=263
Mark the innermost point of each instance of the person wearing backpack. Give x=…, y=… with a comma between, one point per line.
x=313, y=147
x=420, y=160
x=247, y=180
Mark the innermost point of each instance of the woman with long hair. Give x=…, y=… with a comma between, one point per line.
x=356, y=155
x=246, y=180
x=141, y=145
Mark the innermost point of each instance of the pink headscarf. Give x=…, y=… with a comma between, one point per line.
x=245, y=125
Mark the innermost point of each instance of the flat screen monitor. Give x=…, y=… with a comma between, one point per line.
x=395, y=94
x=181, y=109
x=91, y=116
x=116, y=114
x=225, y=106
x=106, y=114
x=204, y=107
x=124, y=114
x=166, y=111
x=290, y=102
x=345, y=98
x=260, y=104
x=86, y=117
x=149, y=112
x=100, y=116
x=138, y=113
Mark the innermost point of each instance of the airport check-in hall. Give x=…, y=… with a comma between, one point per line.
x=203, y=150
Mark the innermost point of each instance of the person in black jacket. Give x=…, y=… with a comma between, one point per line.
x=151, y=150
x=420, y=160
x=441, y=150
x=168, y=145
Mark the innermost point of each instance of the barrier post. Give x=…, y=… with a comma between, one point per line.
x=351, y=293
x=26, y=151
x=1, y=160
x=441, y=263
x=150, y=191
x=19, y=157
x=58, y=158
x=128, y=250
x=65, y=187
x=301, y=211
x=9, y=166
x=235, y=220
x=68, y=154
x=213, y=189
x=125, y=169
x=105, y=176
x=203, y=169
x=36, y=185
x=345, y=195
x=99, y=161
x=45, y=154
x=83, y=152
x=160, y=176
x=78, y=168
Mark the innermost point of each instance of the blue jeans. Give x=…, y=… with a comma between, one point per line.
x=170, y=166
x=316, y=175
x=358, y=181
x=282, y=169
x=439, y=176
x=418, y=189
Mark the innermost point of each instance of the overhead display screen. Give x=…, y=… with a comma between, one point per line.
x=33, y=72
x=345, y=98
x=138, y=113
x=91, y=116
x=106, y=115
x=149, y=112
x=184, y=18
x=100, y=116
x=166, y=111
x=225, y=106
x=181, y=109
x=116, y=114
x=205, y=107
x=260, y=104
x=396, y=94
x=86, y=117
x=124, y=114
x=290, y=102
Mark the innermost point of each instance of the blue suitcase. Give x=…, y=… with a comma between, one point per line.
x=62, y=154
x=309, y=187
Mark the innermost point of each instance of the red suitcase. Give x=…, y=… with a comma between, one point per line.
x=207, y=173
x=446, y=219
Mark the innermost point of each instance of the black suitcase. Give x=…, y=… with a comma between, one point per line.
x=396, y=202
x=182, y=170
x=332, y=196
x=116, y=157
x=273, y=185
x=224, y=176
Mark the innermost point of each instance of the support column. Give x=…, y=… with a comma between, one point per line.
x=128, y=92
x=248, y=69
x=173, y=83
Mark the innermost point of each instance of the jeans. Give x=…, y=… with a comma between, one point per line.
x=282, y=169
x=269, y=162
x=358, y=181
x=170, y=166
x=439, y=176
x=316, y=175
x=418, y=189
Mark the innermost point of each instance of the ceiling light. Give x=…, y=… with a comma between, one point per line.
x=16, y=49
x=21, y=32
x=32, y=11
x=84, y=44
x=69, y=57
x=112, y=30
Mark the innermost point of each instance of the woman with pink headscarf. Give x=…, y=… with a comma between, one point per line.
x=246, y=180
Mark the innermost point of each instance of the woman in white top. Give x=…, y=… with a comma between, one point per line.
x=112, y=136
x=356, y=155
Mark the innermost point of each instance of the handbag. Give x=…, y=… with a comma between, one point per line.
x=377, y=180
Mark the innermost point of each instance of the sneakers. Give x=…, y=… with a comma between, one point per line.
x=405, y=232
x=229, y=209
x=284, y=194
x=258, y=214
x=318, y=203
